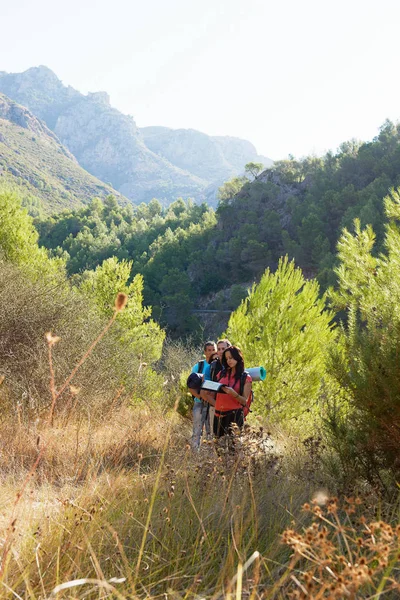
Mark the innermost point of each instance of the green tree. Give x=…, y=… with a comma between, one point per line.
x=19, y=240
x=137, y=329
x=230, y=188
x=368, y=368
x=253, y=168
x=284, y=326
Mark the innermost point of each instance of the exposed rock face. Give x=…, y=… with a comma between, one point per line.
x=238, y=152
x=141, y=164
x=107, y=144
x=191, y=150
x=104, y=141
x=21, y=116
x=40, y=90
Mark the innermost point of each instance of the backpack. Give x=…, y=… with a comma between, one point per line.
x=246, y=408
x=215, y=368
x=200, y=370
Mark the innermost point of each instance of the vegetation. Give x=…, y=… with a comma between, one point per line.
x=367, y=364
x=283, y=325
x=101, y=494
x=160, y=243
x=297, y=208
x=37, y=297
x=253, y=168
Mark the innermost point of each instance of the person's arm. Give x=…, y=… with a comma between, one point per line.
x=241, y=399
x=208, y=397
x=195, y=393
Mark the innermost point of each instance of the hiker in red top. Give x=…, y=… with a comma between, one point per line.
x=229, y=404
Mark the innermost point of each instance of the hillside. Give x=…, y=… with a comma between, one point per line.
x=194, y=262
x=32, y=157
x=143, y=163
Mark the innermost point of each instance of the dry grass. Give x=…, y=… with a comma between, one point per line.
x=114, y=504
x=122, y=507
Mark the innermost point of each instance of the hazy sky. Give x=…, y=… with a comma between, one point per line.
x=293, y=77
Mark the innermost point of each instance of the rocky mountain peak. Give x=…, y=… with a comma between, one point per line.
x=100, y=97
x=43, y=73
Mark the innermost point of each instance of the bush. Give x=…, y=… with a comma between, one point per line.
x=366, y=364
x=29, y=309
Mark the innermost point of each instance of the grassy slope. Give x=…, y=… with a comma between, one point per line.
x=40, y=166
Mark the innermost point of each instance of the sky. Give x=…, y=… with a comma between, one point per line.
x=293, y=77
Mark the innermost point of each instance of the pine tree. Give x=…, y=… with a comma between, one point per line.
x=369, y=293
x=19, y=241
x=284, y=326
x=137, y=329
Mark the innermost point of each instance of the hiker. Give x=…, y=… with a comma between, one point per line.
x=216, y=365
x=215, y=368
x=202, y=402
x=229, y=404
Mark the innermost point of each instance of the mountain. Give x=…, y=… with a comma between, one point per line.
x=214, y=159
x=104, y=141
x=140, y=163
x=32, y=157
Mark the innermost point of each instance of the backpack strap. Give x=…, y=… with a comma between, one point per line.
x=221, y=374
x=213, y=369
x=243, y=378
x=200, y=368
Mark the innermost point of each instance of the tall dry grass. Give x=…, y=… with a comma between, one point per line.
x=113, y=504
x=86, y=512
x=121, y=508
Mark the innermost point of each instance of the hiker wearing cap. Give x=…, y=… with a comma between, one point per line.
x=229, y=402
x=215, y=369
x=201, y=399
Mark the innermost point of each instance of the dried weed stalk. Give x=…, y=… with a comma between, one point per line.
x=342, y=555
x=120, y=304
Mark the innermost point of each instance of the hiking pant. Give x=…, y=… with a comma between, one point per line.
x=200, y=420
x=212, y=413
x=224, y=420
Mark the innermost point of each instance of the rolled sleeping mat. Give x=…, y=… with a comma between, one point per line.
x=257, y=373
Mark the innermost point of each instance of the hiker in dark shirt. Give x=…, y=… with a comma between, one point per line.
x=215, y=368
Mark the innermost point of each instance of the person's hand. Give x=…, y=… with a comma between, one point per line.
x=230, y=391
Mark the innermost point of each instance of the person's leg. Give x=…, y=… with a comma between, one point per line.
x=238, y=418
x=197, y=425
x=227, y=422
x=211, y=414
x=217, y=427
x=205, y=418
x=222, y=424
x=233, y=427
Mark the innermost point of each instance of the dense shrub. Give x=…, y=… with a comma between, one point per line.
x=366, y=363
